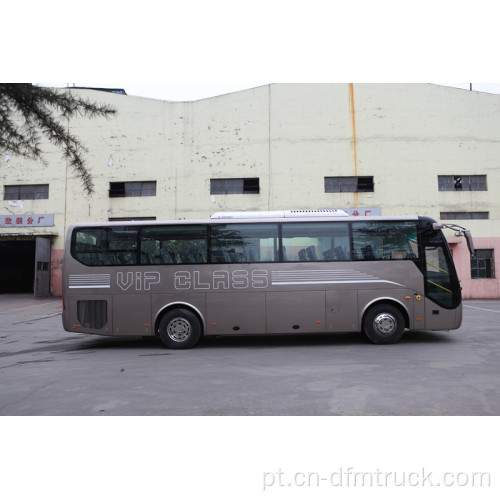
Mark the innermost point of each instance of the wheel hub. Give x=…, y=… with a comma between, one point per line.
x=179, y=329
x=385, y=324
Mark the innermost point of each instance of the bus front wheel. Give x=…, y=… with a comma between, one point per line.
x=384, y=324
x=180, y=329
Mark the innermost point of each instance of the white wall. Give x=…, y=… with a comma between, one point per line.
x=290, y=136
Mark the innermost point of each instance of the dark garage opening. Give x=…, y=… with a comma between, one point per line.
x=17, y=266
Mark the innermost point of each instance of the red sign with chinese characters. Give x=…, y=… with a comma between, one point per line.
x=357, y=212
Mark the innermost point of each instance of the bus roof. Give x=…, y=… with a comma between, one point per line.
x=245, y=220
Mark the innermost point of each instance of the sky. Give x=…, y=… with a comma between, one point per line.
x=265, y=41
x=195, y=91
x=169, y=91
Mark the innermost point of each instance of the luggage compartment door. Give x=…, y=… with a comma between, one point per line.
x=296, y=312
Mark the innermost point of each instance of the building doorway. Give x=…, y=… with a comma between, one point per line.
x=25, y=265
x=17, y=266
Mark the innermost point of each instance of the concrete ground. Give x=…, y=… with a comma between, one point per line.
x=47, y=371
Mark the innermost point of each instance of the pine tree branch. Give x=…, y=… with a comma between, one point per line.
x=29, y=113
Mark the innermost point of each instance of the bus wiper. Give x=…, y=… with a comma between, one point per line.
x=460, y=231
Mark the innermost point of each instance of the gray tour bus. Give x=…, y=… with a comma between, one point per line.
x=251, y=273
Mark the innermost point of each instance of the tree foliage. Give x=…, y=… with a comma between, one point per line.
x=28, y=114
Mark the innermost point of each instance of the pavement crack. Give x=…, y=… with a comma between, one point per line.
x=37, y=319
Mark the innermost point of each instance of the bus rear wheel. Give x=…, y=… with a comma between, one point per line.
x=180, y=329
x=384, y=324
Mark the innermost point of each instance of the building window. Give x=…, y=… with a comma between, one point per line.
x=348, y=184
x=482, y=264
x=464, y=215
x=128, y=189
x=27, y=192
x=462, y=182
x=234, y=186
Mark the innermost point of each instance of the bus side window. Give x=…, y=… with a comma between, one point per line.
x=122, y=245
x=384, y=240
x=244, y=243
x=168, y=245
x=87, y=245
x=106, y=247
x=316, y=241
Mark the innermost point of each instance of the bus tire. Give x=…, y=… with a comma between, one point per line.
x=180, y=329
x=384, y=324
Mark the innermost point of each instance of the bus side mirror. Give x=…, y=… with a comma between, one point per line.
x=461, y=231
x=470, y=243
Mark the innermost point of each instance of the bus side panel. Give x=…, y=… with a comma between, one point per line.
x=236, y=313
x=342, y=311
x=438, y=318
x=458, y=316
x=296, y=312
x=132, y=315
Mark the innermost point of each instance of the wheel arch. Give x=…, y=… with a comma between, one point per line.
x=178, y=305
x=387, y=300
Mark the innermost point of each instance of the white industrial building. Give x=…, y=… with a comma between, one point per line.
x=390, y=149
